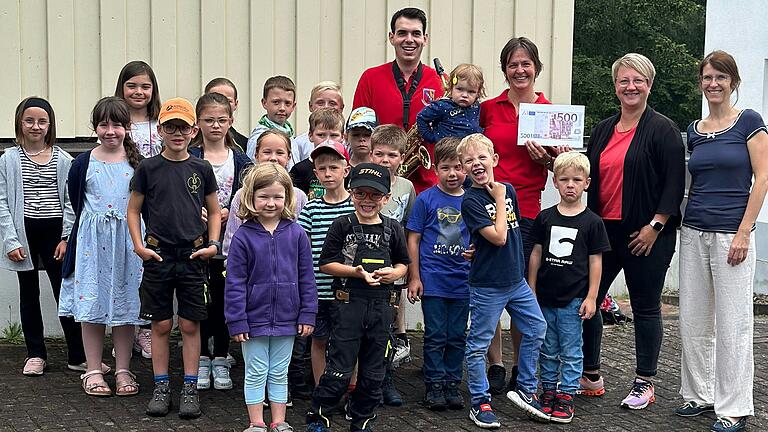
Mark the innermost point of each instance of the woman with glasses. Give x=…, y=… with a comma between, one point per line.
x=36, y=218
x=638, y=176
x=729, y=148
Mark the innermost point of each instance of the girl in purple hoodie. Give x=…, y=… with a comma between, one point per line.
x=270, y=295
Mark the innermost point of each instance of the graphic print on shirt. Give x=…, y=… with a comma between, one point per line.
x=194, y=183
x=315, y=190
x=449, y=240
x=561, y=241
x=401, y=203
x=349, y=251
x=510, y=209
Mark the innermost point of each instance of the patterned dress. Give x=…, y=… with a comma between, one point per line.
x=104, y=288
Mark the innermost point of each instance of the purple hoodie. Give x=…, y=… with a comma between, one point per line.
x=270, y=285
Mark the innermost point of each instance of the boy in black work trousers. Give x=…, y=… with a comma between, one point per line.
x=366, y=253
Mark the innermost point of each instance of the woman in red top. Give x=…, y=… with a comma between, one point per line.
x=638, y=177
x=522, y=166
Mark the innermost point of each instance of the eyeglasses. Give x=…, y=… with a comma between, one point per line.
x=373, y=196
x=637, y=82
x=41, y=123
x=171, y=128
x=452, y=218
x=707, y=79
x=210, y=121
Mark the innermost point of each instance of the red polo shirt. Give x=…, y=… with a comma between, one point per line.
x=378, y=90
x=499, y=118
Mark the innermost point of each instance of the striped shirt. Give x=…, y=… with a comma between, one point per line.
x=41, y=192
x=316, y=218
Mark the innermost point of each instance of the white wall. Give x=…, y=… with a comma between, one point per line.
x=738, y=27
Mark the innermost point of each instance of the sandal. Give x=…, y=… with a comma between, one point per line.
x=99, y=388
x=129, y=386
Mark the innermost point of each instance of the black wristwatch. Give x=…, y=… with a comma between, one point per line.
x=656, y=225
x=215, y=243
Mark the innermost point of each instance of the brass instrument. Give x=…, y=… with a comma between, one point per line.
x=415, y=153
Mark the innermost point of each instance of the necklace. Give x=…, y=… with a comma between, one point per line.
x=37, y=153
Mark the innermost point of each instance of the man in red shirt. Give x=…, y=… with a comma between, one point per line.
x=385, y=88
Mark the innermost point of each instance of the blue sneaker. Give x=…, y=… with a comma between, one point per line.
x=724, y=424
x=317, y=427
x=692, y=409
x=529, y=404
x=483, y=416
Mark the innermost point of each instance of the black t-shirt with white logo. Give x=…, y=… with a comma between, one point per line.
x=174, y=195
x=567, y=242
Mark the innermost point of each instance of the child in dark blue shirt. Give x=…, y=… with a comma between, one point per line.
x=496, y=283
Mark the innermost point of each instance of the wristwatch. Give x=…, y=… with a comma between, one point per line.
x=656, y=225
x=215, y=243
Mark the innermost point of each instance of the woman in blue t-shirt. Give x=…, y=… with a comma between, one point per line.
x=717, y=254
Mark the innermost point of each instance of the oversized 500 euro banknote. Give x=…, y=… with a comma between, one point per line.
x=551, y=125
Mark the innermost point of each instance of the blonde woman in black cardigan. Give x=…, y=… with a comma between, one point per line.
x=638, y=162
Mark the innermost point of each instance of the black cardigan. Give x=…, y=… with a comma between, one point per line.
x=654, y=170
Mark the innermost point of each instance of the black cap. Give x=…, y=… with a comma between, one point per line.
x=370, y=175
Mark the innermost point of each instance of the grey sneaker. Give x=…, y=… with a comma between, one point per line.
x=221, y=378
x=189, y=407
x=281, y=427
x=204, y=373
x=160, y=403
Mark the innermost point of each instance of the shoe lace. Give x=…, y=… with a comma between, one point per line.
x=221, y=371
x=160, y=393
x=189, y=393
x=35, y=361
x=725, y=422
x=640, y=387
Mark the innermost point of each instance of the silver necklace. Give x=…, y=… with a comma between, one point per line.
x=38, y=153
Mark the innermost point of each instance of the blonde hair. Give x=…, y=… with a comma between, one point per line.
x=470, y=73
x=389, y=135
x=635, y=61
x=571, y=159
x=323, y=86
x=476, y=140
x=261, y=176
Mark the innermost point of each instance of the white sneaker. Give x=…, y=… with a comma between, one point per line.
x=204, y=374
x=402, y=352
x=221, y=378
x=143, y=343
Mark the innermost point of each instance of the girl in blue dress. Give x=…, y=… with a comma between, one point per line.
x=102, y=274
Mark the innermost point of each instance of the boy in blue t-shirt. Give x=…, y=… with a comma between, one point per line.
x=564, y=271
x=496, y=282
x=437, y=237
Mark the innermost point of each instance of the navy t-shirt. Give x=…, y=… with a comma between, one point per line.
x=436, y=215
x=174, y=196
x=566, y=243
x=493, y=266
x=721, y=174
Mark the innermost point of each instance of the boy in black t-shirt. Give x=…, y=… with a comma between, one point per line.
x=564, y=271
x=366, y=253
x=170, y=190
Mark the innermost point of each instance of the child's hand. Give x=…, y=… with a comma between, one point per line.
x=204, y=253
x=242, y=337
x=147, y=254
x=386, y=275
x=415, y=290
x=587, y=309
x=224, y=215
x=369, y=278
x=204, y=215
x=497, y=190
x=17, y=255
x=305, y=330
x=469, y=253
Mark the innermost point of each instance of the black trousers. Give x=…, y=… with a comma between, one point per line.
x=43, y=236
x=360, y=335
x=215, y=326
x=645, y=280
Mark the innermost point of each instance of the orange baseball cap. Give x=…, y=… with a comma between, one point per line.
x=177, y=108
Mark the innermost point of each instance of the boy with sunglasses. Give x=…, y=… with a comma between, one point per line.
x=170, y=190
x=366, y=253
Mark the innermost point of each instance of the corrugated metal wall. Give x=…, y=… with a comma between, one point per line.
x=71, y=51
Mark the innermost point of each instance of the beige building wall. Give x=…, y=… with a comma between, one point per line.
x=71, y=51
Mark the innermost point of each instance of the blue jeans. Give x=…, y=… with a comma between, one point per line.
x=445, y=334
x=485, y=308
x=561, y=358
